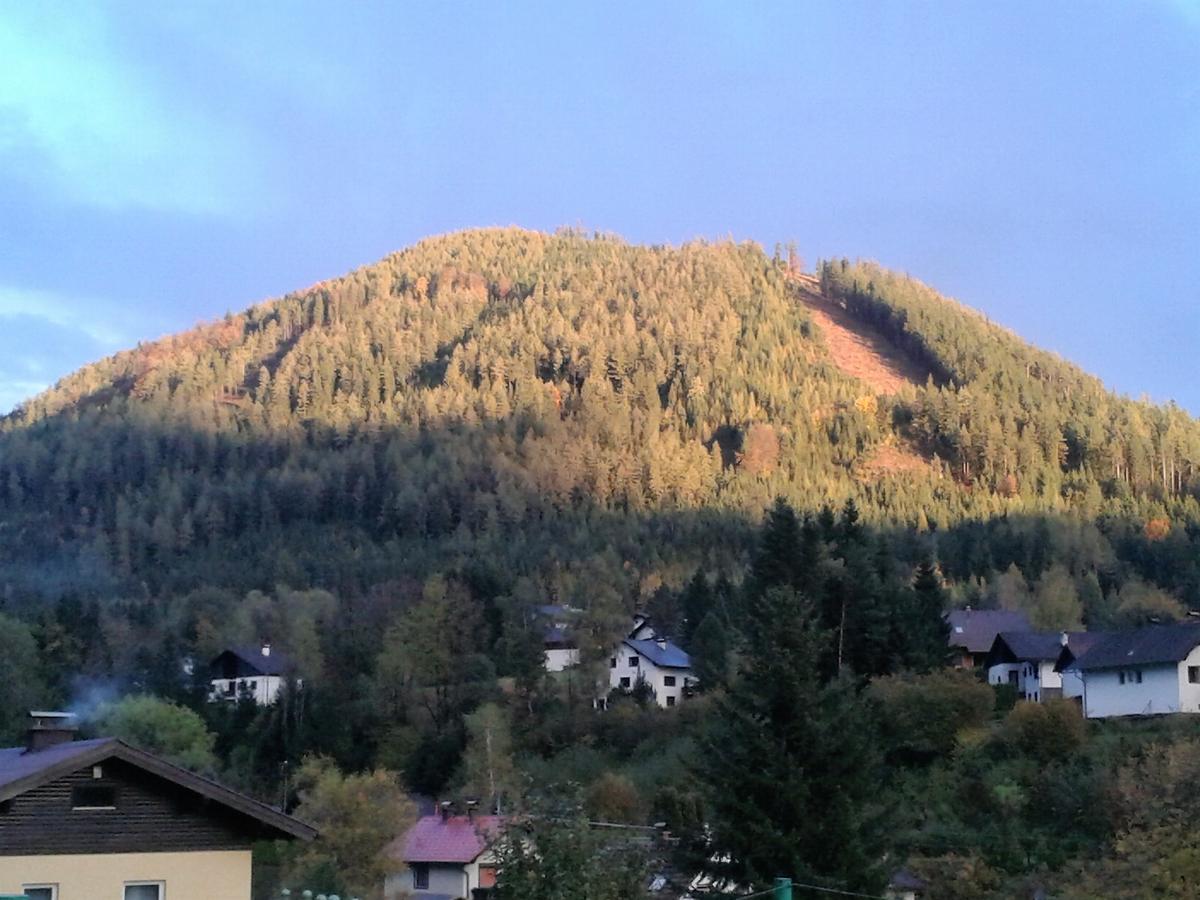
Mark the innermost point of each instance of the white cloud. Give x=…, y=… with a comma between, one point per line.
x=76, y=110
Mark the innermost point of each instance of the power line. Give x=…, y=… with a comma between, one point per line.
x=814, y=887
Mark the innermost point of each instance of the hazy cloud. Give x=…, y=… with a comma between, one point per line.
x=79, y=114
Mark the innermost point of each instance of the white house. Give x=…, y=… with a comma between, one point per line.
x=446, y=857
x=1027, y=660
x=260, y=673
x=558, y=641
x=1150, y=671
x=662, y=665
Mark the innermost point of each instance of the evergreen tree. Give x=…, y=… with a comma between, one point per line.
x=789, y=764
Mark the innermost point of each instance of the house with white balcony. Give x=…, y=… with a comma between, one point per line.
x=258, y=673
x=1147, y=671
x=661, y=665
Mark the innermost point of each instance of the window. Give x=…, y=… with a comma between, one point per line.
x=669, y=680
x=670, y=701
x=633, y=661
x=1012, y=677
x=144, y=890
x=1194, y=674
x=254, y=685
x=420, y=876
x=93, y=796
x=1120, y=677
x=1137, y=676
x=612, y=663
x=624, y=682
x=40, y=891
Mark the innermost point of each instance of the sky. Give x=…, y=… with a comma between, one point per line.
x=163, y=163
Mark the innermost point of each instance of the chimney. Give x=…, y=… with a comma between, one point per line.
x=266, y=648
x=49, y=729
x=471, y=804
x=662, y=643
x=1064, y=639
x=445, y=808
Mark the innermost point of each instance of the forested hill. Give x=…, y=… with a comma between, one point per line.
x=570, y=416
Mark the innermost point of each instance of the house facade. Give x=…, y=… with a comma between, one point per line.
x=259, y=673
x=973, y=631
x=1028, y=661
x=446, y=857
x=558, y=640
x=100, y=819
x=1148, y=671
x=663, y=666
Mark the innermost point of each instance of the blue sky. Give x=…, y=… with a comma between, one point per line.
x=163, y=163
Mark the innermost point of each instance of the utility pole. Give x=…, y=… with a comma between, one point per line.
x=783, y=889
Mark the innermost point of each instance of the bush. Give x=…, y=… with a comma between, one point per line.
x=922, y=715
x=1045, y=731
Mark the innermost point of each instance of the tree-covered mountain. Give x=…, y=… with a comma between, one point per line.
x=388, y=473
x=578, y=411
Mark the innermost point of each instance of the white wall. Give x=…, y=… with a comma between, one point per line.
x=1032, y=678
x=1158, y=692
x=664, y=694
x=452, y=879
x=559, y=658
x=1189, y=692
x=1072, y=683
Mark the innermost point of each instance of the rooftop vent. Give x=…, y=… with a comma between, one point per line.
x=49, y=729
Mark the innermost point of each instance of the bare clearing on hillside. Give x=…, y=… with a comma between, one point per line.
x=855, y=348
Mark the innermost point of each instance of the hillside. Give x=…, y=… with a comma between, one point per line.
x=574, y=411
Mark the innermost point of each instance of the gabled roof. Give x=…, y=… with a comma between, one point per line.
x=455, y=839
x=1078, y=645
x=975, y=629
x=555, y=637
x=22, y=771
x=1153, y=645
x=1027, y=646
x=666, y=656
x=252, y=657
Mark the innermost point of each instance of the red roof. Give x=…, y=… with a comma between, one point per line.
x=456, y=839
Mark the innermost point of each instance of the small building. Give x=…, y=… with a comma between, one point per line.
x=99, y=818
x=1027, y=660
x=447, y=857
x=259, y=673
x=1147, y=671
x=664, y=667
x=973, y=631
x=558, y=639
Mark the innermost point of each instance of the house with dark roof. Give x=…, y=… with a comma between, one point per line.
x=972, y=632
x=99, y=818
x=657, y=662
x=1147, y=671
x=1027, y=661
x=255, y=672
x=558, y=625
x=446, y=857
